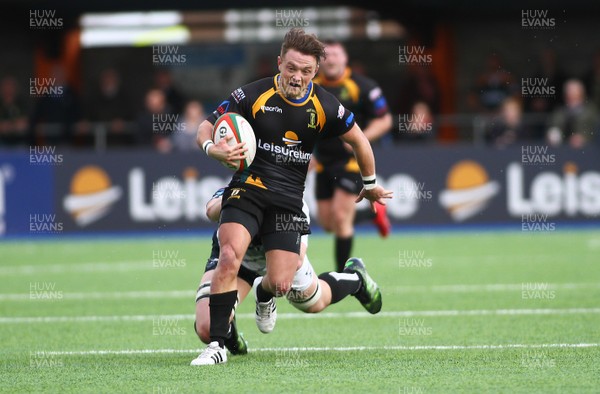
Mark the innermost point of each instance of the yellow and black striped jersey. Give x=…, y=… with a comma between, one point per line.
x=286, y=130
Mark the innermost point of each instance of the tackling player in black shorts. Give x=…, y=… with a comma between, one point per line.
x=338, y=179
x=289, y=115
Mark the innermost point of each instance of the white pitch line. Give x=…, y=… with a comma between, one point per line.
x=119, y=266
x=492, y=287
x=292, y=316
x=92, y=319
x=180, y=294
x=325, y=349
x=103, y=295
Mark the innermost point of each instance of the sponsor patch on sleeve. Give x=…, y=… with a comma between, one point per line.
x=238, y=95
x=374, y=94
x=341, y=111
x=223, y=107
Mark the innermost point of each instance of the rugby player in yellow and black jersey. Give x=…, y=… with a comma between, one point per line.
x=289, y=115
x=338, y=179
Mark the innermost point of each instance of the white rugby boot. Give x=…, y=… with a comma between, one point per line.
x=213, y=354
x=266, y=312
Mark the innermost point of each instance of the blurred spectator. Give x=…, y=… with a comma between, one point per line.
x=163, y=80
x=591, y=80
x=13, y=113
x=56, y=112
x=492, y=86
x=508, y=127
x=420, y=85
x=111, y=105
x=184, y=138
x=576, y=122
x=419, y=125
x=539, y=105
x=551, y=71
x=155, y=123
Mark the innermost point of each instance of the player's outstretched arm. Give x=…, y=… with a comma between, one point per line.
x=221, y=151
x=366, y=161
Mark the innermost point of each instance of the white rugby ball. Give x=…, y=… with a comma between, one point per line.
x=232, y=123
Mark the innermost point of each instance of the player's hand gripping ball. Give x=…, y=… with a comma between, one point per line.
x=231, y=123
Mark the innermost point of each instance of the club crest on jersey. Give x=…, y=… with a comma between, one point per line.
x=235, y=193
x=312, y=120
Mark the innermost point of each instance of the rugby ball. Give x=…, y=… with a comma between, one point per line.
x=231, y=123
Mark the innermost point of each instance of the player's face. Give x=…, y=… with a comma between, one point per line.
x=297, y=70
x=335, y=63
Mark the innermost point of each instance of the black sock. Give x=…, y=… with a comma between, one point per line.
x=262, y=295
x=341, y=285
x=221, y=305
x=343, y=247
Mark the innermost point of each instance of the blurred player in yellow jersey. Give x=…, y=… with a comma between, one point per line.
x=338, y=180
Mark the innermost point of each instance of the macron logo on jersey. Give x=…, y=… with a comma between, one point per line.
x=265, y=108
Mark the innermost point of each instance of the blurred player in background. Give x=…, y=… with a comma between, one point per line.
x=308, y=293
x=338, y=180
x=289, y=115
